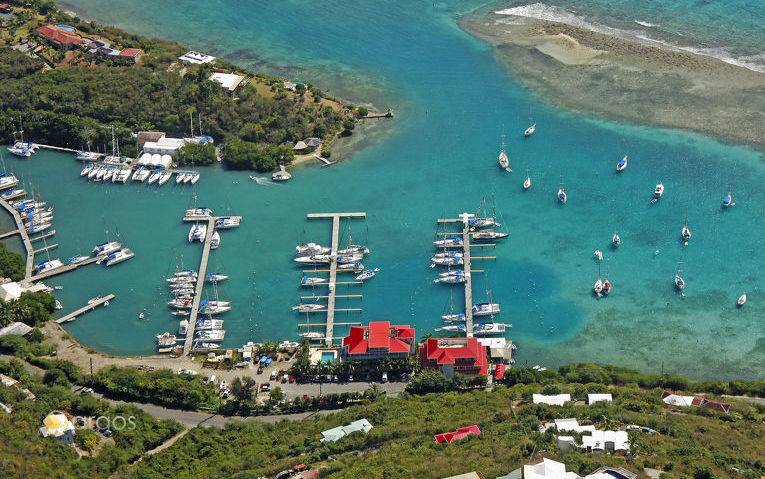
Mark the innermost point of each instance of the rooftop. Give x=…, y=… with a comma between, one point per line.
x=196, y=57
x=229, y=81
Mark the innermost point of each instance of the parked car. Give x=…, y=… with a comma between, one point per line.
x=285, y=378
x=265, y=387
x=292, y=379
x=385, y=377
x=273, y=375
x=350, y=378
x=633, y=427
x=241, y=364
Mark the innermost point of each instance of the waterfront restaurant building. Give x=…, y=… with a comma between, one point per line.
x=378, y=340
x=454, y=355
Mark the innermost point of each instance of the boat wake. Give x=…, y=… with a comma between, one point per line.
x=262, y=181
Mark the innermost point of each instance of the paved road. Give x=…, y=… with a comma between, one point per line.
x=294, y=390
x=31, y=369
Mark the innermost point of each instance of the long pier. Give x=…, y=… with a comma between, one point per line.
x=45, y=248
x=24, y=236
x=63, y=269
x=324, y=161
x=9, y=234
x=465, y=220
x=43, y=236
x=61, y=148
x=88, y=307
x=189, y=341
x=330, y=325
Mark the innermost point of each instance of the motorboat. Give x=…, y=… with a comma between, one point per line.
x=164, y=177
x=686, y=233
x=312, y=280
x=8, y=181
x=154, y=176
x=166, y=339
x=562, y=194
x=616, y=240
x=741, y=300
x=622, y=164
x=106, y=248
x=215, y=241
x=598, y=287
x=83, y=155
x=197, y=232
x=367, y=274
x=215, y=277
x=311, y=249
x=180, y=177
x=451, y=279
x=490, y=329
x=194, y=177
x=453, y=318
x=212, y=335
x=204, y=346
x=183, y=327
x=14, y=193
x=311, y=335
x=227, y=222
x=313, y=259
x=281, y=175
x=449, y=242
x=76, y=259
x=59, y=305
x=119, y=256
x=728, y=199
x=657, y=192
x=530, y=130
x=488, y=235
x=201, y=211
x=206, y=324
x=48, y=265
x=353, y=266
x=309, y=307
x=485, y=309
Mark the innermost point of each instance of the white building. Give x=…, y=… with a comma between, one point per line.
x=9, y=291
x=678, y=400
x=229, y=81
x=612, y=441
x=15, y=328
x=337, y=433
x=548, y=469
x=164, y=146
x=593, y=398
x=551, y=399
x=196, y=58
x=567, y=425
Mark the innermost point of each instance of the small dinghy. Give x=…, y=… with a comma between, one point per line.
x=616, y=240
x=622, y=164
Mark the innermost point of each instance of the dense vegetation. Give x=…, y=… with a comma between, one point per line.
x=12, y=265
x=693, y=442
x=33, y=309
x=23, y=453
x=162, y=387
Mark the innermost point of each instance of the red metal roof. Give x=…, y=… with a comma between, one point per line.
x=499, y=371
x=716, y=405
x=445, y=351
x=460, y=433
x=59, y=36
x=378, y=336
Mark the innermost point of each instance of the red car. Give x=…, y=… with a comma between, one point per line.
x=292, y=379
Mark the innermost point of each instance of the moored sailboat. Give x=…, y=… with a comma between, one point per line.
x=504, y=161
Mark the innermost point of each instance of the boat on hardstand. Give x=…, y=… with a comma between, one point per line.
x=312, y=280
x=311, y=249
x=166, y=339
x=622, y=164
x=119, y=256
x=485, y=309
x=449, y=242
x=215, y=241
x=215, y=277
x=106, y=248
x=367, y=274
x=226, y=222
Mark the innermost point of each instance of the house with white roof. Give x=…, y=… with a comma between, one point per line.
x=337, y=433
x=567, y=425
x=548, y=469
x=229, y=81
x=593, y=398
x=196, y=58
x=551, y=399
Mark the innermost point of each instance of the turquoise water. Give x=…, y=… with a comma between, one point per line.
x=327, y=357
x=439, y=158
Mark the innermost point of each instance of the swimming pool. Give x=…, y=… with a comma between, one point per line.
x=65, y=27
x=327, y=356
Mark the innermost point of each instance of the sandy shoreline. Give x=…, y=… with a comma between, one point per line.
x=617, y=78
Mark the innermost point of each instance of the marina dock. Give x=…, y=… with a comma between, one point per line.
x=43, y=236
x=24, y=236
x=465, y=220
x=9, y=234
x=61, y=148
x=45, y=248
x=330, y=325
x=92, y=304
x=63, y=269
x=201, y=273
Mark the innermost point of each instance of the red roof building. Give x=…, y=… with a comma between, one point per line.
x=499, y=372
x=131, y=54
x=378, y=340
x=460, y=433
x=454, y=355
x=59, y=37
x=5, y=8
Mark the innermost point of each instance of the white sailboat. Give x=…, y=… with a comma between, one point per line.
x=532, y=126
x=504, y=161
x=679, y=281
x=562, y=197
x=215, y=241
x=741, y=300
x=527, y=181
x=622, y=164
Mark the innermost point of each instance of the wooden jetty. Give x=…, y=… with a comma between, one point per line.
x=24, y=236
x=201, y=273
x=64, y=269
x=387, y=114
x=61, y=148
x=330, y=325
x=92, y=304
x=9, y=234
x=324, y=161
x=43, y=236
x=45, y=248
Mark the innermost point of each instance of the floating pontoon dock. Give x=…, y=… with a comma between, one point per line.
x=96, y=302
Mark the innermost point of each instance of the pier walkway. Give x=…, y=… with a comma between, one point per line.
x=24, y=236
x=88, y=307
x=201, y=273
x=325, y=161
x=63, y=269
x=465, y=220
x=9, y=234
x=330, y=324
x=61, y=148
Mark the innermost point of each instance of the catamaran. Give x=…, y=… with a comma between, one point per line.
x=106, y=248
x=119, y=256
x=136, y=173
x=367, y=274
x=504, y=161
x=312, y=280
x=22, y=148
x=209, y=324
x=183, y=327
x=143, y=174
x=197, y=232
x=227, y=222
x=88, y=155
x=311, y=249
x=490, y=329
x=622, y=164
